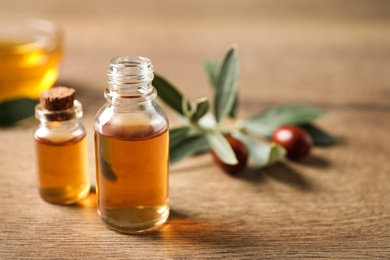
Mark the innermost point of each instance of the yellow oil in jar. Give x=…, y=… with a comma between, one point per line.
x=27, y=67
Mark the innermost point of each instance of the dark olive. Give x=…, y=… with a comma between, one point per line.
x=241, y=153
x=295, y=140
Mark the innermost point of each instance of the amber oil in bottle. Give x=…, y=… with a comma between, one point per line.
x=61, y=148
x=132, y=150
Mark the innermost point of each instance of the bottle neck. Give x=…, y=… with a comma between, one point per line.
x=130, y=82
x=61, y=119
x=61, y=126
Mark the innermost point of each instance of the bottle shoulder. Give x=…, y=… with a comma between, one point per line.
x=58, y=135
x=130, y=124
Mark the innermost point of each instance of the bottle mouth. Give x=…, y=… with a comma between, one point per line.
x=130, y=73
x=59, y=115
x=129, y=63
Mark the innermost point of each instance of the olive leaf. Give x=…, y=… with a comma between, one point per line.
x=221, y=147
x=169, y=94
x=260, y=153
x=187, y=108
x=177, y=135
x=265, y=122
x=207, y=122
x=319, y=136
x=226, y=87
x=185, y=143
x=201, y=108
x=233, y=110
x=276, y=153
x=15, y=110
x=212, y=71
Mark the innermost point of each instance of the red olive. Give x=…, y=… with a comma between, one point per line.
x=295, y=140
x=241, y=153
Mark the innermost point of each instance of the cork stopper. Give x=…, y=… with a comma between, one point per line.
x=57, y=98
x=58, y=103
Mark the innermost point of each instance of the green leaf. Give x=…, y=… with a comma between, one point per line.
x=221, y=147
x=169, y=94
x=186, y=146
x=319, y=136
x=187, y=108
x=201, y=108
x=233, y=111
x=177, y=135
x=211, y=68
x=207, y=122
x=15, y=110
x=260, y=153
x=276, y=153
x=226, y=90
x=265, y=122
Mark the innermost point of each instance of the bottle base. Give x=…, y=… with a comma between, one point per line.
x=129, y=220
x=66, y=195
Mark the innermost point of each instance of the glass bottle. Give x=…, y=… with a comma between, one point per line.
x=61, y=148
x=131, y=150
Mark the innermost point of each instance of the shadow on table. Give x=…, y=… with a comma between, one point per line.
x=194, y=231
x=316, y=161
x=285, y=173
x=281, y=172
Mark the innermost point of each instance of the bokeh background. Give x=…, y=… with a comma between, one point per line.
x=291, y=51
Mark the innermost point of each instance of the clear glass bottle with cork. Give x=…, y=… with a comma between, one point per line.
x=132, y=150
x=61, y=147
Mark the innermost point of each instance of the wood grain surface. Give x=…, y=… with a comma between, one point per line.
x=335, y=204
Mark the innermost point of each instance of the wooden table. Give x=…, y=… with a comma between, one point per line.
x=331, y=54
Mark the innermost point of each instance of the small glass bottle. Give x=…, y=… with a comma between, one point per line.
x=131, y=150
x=61, y=147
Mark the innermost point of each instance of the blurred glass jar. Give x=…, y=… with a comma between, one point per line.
x=30, y=53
